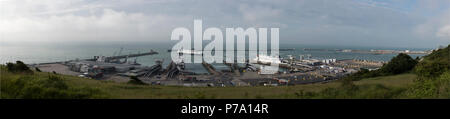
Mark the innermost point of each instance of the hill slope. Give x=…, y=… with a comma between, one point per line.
x=434, y=64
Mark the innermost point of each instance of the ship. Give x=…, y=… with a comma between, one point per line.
x=191, y=52
x=264, y=59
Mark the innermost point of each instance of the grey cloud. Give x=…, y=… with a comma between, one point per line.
x=355, y=22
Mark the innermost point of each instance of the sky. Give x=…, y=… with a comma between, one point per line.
x=388, y=23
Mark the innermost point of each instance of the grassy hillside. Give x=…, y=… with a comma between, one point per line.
x=434, y=64
x=89, y=88
x=433, y=76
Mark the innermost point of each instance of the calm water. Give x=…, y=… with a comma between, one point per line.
x=63, y=52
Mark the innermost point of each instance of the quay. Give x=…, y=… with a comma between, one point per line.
x=293, y=71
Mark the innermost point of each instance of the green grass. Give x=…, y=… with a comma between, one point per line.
x=44, y=86
x=399, y=81
x=89, y=88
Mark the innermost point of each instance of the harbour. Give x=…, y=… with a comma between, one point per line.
x=154, y=67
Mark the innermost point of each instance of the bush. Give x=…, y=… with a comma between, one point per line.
x=53, y=87
x=443, y=85
x=19, y=67
x=363, y=73
x=430, y=69
x=431, y=88
x=400, y=64
x=434, y=64
x=37, y=69
x=10, y=66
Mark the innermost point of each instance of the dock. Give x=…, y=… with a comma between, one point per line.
x=232, y=67
x=153, y=70
x=210, y=68
x=112, y=58
x=131, y=55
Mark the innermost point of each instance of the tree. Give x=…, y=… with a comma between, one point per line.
x=10, y=67
x=399, y=64
x=37, y=69
x=18, y=67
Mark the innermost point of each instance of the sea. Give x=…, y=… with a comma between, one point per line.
x=44, y=53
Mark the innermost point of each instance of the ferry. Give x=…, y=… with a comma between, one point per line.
x=192, y=52
x=267, y=59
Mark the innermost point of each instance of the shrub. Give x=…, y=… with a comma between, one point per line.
x=431, y=88
x=434, y=64
x=430, y=69
x=19, y=67
x=53, y=87
x=37, y=69
x=443, y=85
x=400, y=64
x=10, y=66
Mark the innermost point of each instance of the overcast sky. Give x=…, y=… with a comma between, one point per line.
x=391, y=23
